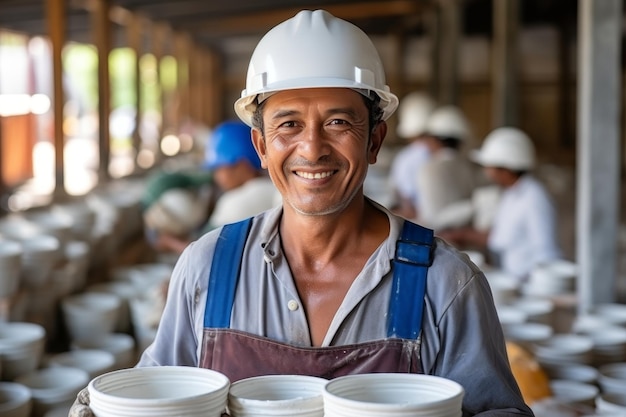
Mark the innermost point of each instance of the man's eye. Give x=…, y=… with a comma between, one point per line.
x=338, y=122
x=288, y=124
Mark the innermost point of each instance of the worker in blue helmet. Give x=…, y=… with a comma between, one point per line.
x=243, y=189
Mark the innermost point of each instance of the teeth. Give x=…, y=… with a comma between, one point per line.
x=314, y=176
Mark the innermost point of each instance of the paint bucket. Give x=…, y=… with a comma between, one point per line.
x=392, y=395
x=277, y=395
x=160, y=391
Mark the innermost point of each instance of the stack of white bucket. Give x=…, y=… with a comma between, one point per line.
x=583, y=355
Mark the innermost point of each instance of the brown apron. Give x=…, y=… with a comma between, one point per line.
x=241, y=355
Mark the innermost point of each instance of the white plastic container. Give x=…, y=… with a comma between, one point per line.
x=392, y=395
x=277, y=395
x=563, y=349
x=574, y=393
x=10, y=267
x=15, y=400
x=90, y=314
x=573, y=372
x=22, y=346
x=612, y=378
x=613, y=404
x=161, y=391
x=54, y=387
x=121, y=345
x=93, y=361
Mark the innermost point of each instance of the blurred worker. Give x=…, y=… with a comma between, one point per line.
x=448, y=176
x=413, y=113
x=523, y=232
x=236, y=167
x=175, y=204
x=243, y=188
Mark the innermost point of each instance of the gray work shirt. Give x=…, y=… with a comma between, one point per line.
x=461, y=336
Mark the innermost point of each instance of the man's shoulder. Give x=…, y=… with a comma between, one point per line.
x=450, y=273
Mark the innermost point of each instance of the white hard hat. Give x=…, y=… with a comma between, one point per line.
x=506, y=147
x=413, y=113
x=177, y=211
x=314, y=49
x=448, y=122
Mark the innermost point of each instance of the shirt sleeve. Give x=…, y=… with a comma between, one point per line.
x=463, y=341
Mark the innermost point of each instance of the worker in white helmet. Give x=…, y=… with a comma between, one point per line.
x=523, y=232
x=413, y=113
x=448, y=177
x=330, y=283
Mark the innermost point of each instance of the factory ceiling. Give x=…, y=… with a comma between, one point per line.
x=211, y=22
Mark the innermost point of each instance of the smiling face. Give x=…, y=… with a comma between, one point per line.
x=317, y=147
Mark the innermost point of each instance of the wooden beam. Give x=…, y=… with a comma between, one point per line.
x=262, y=21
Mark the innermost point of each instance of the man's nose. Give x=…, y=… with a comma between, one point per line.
x=314, y=144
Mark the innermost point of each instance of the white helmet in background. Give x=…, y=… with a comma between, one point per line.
x=413, y=113
x=314, y=49
x=506, y=147
x=448, y=122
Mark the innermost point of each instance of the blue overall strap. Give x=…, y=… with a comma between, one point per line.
x=412, y=259
x=225, y=274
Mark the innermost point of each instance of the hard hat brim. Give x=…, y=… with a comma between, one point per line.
x=246, y=105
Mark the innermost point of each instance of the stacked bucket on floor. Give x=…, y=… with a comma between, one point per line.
x=45, y=256
x=584, y=356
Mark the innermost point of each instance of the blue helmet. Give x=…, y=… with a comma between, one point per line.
x=229, y=143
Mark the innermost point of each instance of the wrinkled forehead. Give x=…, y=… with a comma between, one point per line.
x=322, y=99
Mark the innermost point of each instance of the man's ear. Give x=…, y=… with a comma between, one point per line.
x=377, y=137
x=259, y=144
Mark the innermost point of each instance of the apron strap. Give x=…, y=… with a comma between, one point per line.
x=412, y=259
x=225, y=274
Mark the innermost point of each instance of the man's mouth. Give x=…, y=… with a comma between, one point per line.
x=314, y=175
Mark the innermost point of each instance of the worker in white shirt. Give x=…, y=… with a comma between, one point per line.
x=524, y=229
x=448, y=176
x=413, y=113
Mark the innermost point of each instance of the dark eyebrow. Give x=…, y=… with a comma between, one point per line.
x=283, y=113
x=348, y=111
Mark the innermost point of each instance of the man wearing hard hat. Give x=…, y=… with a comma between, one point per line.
x=523, y=232
x=330, y=283
x=448, y=177
x=413, y=113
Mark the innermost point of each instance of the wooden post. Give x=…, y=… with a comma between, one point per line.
x=505, y=63
x=102, y=37
x=449, y=51
x=135, y=34
x=55, y=18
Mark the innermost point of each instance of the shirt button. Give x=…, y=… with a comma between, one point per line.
x=292, y=305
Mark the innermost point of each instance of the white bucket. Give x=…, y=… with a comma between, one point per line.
x=277, y=395
x=612, y=378
x=161, y=391
x=15, y=400
x=392, y=395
